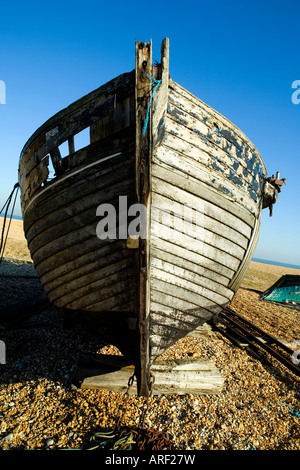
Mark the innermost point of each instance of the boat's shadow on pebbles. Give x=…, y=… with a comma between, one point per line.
x=38, y=341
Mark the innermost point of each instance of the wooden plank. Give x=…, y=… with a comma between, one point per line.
x=75, y=186
x=38, y=175
x=212, y=156
x=31, y=160
x=192, y=183
x=239, y=276
x=79, y=213
x=88, y=264
x=116, y=119
x=172, y=204
x=232, y=132
x=184, y=157
x=192, y=221
x=207, y=296
x=172, y=318
x=168, y=330
x=195, y=376
x=192, y=266
x=218, y=217
x=76, y=198
x=94, y=161
x=198, y=246
x=165, y=315
x=190, y=276
x=60, y=134
x=170, y=287
x=79, y=228
x=71, y=145
x=63, y=244
x=119, y=142
x=205, y=242
x=101, y=276
x=182, y=110
x=100, y=296
x=83, y=295
x=81, y=257
x=192, y=257
x=160, y=295
x=172, y=307
x=116, y=300
x=67, y=241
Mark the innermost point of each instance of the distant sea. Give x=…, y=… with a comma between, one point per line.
x=275, y=263
x=17, y=217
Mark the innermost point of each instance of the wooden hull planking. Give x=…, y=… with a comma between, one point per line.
x=188, y=156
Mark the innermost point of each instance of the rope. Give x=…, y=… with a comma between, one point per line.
x=293, y=411
x=130, y=438
x=157, y=83
x=7, y=204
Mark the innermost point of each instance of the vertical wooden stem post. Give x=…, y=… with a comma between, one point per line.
x=143, y=69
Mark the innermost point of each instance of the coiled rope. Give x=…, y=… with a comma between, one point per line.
x=293, y=411
x=127, y=437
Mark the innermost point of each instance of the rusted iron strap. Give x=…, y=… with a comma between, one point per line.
x=288, y=363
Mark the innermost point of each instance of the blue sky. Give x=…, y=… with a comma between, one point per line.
x=240, y=57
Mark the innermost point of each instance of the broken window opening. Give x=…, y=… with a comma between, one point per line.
x=82, y=139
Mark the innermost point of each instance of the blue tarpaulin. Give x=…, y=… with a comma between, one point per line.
x=286, y=290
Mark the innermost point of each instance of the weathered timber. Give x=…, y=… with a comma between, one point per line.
x=143, y=152
x=203, y=185
x=181, y=376
x=232, y=133
x=218, y=147
x=75, y=118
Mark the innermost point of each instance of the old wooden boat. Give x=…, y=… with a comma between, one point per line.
x=154, y=144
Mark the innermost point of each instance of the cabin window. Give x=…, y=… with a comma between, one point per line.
x=64, y=149
x=57, y=164
x=82, y=139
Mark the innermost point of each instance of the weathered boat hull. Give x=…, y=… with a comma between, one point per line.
x=168, y=151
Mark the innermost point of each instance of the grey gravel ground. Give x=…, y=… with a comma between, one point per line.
x=42, y=408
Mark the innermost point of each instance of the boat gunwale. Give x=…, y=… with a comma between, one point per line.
x=71, y=109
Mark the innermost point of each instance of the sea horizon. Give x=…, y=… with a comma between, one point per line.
x=275, y=263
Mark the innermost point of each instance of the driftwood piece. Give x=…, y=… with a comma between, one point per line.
x=181, y=376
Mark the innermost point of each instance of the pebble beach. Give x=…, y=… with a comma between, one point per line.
x=42, y=408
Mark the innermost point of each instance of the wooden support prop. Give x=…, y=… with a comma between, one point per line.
x=181, y=376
